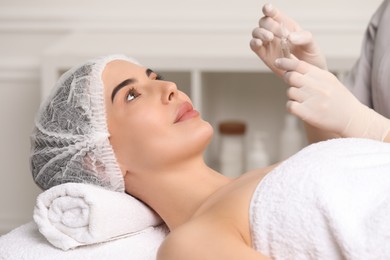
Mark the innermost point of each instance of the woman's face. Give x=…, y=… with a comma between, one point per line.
x=152, y=125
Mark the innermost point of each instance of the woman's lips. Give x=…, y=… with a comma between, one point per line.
x=186, y=111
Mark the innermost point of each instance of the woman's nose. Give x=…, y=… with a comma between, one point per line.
x=170, y=92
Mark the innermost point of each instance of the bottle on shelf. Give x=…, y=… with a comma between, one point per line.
x=231, y=148
x=257, y=155
x=291, y=139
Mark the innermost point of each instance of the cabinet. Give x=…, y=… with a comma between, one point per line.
x=220, y=73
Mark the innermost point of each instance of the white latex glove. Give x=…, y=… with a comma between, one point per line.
x=320, y=99
x=266, y=40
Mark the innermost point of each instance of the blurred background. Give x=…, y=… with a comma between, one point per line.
x=203, y=45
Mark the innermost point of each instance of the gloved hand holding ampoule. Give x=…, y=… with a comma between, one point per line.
x=315, y=95
x=266, y=40
x=320, y=99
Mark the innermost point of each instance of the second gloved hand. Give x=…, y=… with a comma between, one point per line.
x=320, y=99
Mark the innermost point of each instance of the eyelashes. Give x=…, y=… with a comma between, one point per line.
x=150, y=72
x=159, y=77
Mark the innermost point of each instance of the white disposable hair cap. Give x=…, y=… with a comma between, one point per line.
x=70, y=141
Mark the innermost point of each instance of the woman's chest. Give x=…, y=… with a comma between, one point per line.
x=230, y=206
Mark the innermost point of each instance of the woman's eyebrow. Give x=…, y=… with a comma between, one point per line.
x=148, y=72
x=121, y=85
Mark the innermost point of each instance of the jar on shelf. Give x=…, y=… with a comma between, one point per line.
x=231, y=148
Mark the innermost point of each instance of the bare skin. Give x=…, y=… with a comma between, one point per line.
x=159, y=141
x=220, y=228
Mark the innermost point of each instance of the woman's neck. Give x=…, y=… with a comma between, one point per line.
x=177, y=194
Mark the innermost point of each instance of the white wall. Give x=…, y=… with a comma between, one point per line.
x=29, y=28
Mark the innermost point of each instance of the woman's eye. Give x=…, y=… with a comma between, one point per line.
x=132, y=94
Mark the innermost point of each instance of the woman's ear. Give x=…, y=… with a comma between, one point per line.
x=123, y=170
x=129, y=183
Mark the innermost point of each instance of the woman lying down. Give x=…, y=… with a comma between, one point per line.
x=113, y=123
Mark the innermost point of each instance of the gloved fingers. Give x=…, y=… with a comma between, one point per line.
x=294, y=79
x=270, y=11
x=296, y=94
x=273, y=26
x=262, y=34
x=277, y=17
x=270, y=25
x=293, y=65
x=255, y=44
x=300, y=38
x=272, y=19
x=297, y=109
x=293, y=107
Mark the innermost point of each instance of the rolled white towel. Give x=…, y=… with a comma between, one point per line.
x=74, y=214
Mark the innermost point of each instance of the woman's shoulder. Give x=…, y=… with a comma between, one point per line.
x=203, y=239
x=193, y=237
x=178, y=243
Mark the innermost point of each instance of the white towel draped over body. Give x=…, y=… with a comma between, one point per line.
x=329, y=201
x=74, y=214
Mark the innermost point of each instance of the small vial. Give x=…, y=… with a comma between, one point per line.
x=231, y=148
x=291, y=138
x=284, y=42
x=257, y=154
